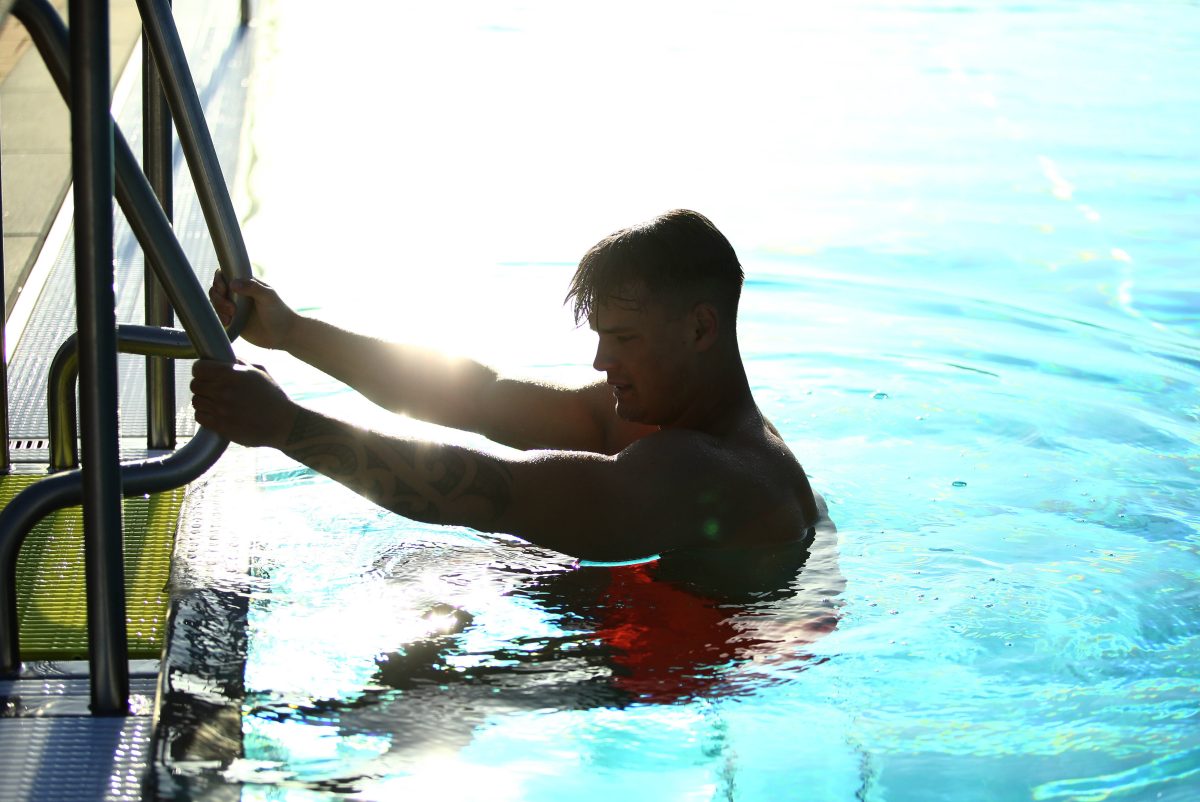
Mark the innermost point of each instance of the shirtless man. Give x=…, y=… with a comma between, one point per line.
x=668, y=455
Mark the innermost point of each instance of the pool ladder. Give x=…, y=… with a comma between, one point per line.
x=79, y=65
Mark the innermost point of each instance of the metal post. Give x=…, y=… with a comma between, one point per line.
x=92, y=171
x=5, y=462
x=157, y=163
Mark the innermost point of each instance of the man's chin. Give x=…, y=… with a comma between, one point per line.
x=628, y=413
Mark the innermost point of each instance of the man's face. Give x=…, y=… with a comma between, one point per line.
x=643, y=352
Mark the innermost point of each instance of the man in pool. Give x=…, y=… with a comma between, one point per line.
x=669, y=455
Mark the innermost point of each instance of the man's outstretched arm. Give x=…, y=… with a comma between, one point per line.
x=431, y=386
x=428, y=482
x=587, y=505
x=639, y=503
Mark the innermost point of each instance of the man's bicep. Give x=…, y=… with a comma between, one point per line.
x=600, y=507
x=525, y=414
x=563, y=500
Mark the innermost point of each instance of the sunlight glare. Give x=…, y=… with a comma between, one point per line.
x=447, y=164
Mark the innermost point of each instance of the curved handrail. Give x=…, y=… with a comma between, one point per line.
x=64, y=372
x=204, y=331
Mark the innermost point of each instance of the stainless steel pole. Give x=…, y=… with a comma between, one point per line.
x=156, y=161
x=92, y=171
x=5, y=464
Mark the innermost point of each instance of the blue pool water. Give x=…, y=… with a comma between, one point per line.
x=970, y=232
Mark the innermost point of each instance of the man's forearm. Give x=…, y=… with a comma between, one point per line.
x=404, y=378
x=431, y=482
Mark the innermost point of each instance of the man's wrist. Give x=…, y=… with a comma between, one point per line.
x=289, y=414
x=294, y=338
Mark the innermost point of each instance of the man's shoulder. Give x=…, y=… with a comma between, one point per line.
x=745, y=490
x=744, y=444
x=685, y=453
x=675, y=442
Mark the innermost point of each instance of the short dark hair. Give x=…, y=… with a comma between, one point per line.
x=677, y=256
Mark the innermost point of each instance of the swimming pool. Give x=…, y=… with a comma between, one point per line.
x=969, y=231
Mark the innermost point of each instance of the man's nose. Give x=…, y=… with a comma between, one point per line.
x=603, y=361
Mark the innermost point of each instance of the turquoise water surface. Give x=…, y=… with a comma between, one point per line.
x=970, y=232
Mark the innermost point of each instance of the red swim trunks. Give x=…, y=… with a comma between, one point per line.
x=668, y=644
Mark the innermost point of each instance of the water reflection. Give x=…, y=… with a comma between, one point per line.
x=683, y=630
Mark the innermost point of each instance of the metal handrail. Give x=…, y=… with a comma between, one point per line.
x=198, y=148
x=5, y=463
x=148, y=341
x=157, y=165
x=140, y=203
x=109, y=673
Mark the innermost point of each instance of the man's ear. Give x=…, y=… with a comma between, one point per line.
x=706, y=325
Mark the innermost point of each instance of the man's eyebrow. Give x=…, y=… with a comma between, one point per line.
x=613, y=329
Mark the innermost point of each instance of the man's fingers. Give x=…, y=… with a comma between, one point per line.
x=218, y=296
x=210, y=369
x=241, y=402
x=221, y=293
x=223, y=380
x=251, y=288
x=203, y=406
x=218, y=380
x=209, y=395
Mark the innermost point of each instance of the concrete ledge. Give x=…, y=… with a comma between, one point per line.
x=35, y=140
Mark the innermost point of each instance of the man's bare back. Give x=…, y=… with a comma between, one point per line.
x=668, y=454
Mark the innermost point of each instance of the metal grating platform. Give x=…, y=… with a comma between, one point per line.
x=68, y=758
x=51, y=606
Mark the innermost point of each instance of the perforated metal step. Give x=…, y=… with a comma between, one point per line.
x=57, y=758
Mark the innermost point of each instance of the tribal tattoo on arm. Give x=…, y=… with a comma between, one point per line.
x=431, y=482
